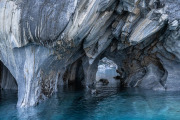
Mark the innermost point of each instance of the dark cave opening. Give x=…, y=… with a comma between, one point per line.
x=74, y=75
x=7, y=81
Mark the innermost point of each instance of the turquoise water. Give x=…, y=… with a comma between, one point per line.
x=112, y=104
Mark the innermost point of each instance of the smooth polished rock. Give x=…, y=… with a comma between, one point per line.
x=44, y=44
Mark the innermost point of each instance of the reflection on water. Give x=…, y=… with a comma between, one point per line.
x=71, y=104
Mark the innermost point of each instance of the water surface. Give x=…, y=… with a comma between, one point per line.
x=112, y=104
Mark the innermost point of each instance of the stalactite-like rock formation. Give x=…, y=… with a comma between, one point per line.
x=49, y=43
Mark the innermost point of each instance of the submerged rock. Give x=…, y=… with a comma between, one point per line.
x=104, y=81
x=44, y=44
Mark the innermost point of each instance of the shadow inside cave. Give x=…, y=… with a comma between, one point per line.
x=7, y=81
x=73, y=77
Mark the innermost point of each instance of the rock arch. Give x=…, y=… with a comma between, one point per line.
x=41, y=40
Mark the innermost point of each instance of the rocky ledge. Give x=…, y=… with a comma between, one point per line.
x=47, y=43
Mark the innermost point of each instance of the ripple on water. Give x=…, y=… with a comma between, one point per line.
x=115, y=104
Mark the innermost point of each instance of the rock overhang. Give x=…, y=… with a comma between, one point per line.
x=42, y=40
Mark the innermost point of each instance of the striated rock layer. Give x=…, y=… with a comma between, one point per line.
x=49, y=43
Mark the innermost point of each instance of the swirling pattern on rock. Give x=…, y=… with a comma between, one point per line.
x=49, y=43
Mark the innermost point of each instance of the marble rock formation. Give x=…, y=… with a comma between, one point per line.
x=46, y=43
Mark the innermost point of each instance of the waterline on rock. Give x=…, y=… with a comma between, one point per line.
x=73, y=104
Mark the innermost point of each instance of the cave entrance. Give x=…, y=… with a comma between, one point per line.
x=107, y=73
x=74, y=75
x=7, y=81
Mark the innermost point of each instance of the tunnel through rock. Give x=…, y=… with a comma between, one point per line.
x=107, y=73
x=7, y=81
x=68, y=38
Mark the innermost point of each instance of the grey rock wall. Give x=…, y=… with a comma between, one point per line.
x=45, y=44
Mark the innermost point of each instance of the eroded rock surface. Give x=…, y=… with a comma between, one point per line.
x=49, y=43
